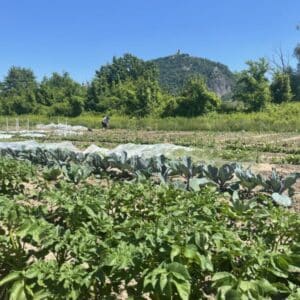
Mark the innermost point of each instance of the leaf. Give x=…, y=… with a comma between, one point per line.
x=266, y=286
x=90, y=212
x=221, y=275
x=223, y=278
x=163, y=281
x=196, y=183
x=180, y=269
x=183, y=289
x=17, y=291
x=232, y=295
x=282, y=199
x=201, y=239
x=222, y=291
x=235, y=196
x=40, y=295
x=190, y=251
x=246, y=285
x=225, y=173
x=175, y=251
x=290, y=180
x=278, y=273
x=10, y=277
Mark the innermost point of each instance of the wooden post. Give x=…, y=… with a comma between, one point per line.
x=6, y=124
x=17, y=124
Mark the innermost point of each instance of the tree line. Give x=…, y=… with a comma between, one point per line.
x=130, y=86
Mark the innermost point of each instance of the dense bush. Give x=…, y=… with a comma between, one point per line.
x=252, y=86
x=281, y=88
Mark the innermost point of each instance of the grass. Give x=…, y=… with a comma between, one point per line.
x=275, y=118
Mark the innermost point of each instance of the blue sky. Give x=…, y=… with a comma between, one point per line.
x=79, y=36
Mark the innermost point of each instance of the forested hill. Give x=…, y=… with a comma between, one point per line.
x=176, y=69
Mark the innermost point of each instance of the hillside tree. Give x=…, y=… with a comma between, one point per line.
x=194, y=100
x=128, y=85
x=252, y=85
x=18, y=91
x=281, y=87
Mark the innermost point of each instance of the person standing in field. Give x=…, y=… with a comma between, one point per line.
x=105, y=122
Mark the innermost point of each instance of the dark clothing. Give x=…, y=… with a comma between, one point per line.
x=104, y=124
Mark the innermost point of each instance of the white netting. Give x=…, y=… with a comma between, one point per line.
x=131, y=149
x=61, y=127
x=24, y=145
x=33, y=134
x=31, y=145
x=149, y=150
x=42, y=130
x=5, y=136
x=95, y=149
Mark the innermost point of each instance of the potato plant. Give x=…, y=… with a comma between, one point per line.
x=146, y=241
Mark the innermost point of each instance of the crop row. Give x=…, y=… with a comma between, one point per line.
x=240, y=183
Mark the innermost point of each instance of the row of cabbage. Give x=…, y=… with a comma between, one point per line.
x=231, y=178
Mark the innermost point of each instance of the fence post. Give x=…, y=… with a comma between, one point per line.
x=6, y=124
x=17, y=124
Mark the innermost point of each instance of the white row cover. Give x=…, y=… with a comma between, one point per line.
x=61, y=127
x=131, y=149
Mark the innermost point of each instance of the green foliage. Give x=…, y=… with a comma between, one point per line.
x=195, y=100
x=62, y=95
x=77, y=167
x=274, y=118
x=252, y=85
x=281, y=88
x=13, y=174
x=128, y=85
x=294, y=81
x=165, y=87
x=136, y=240
x=18, y=81
x=57, y=95
x=293, y=159
x=176, y=70
x=17, y=91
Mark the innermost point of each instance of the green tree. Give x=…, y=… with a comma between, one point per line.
x=297, y=55
x=252, y=85
x=281, y=88
x=61, y=95
x=18, y=91
x=194, y=100
x=128, y=85
x=295, y=76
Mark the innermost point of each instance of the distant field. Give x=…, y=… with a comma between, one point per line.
x=282, y=118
